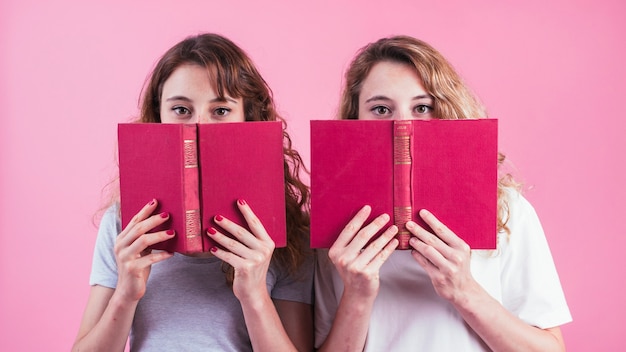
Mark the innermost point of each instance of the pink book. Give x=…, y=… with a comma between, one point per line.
x=399, y=167
x=197, y=171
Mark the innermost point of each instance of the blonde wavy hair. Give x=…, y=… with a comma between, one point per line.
x=452, y=99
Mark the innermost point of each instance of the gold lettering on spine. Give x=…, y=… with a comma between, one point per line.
x=192, y=222
x=191, y=154
x=401, y=150
x=402, y=215
x=402, y=179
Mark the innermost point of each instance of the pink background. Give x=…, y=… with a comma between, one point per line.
x=551, y=71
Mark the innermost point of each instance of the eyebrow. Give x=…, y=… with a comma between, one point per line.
x=184, y=98
x=384, y=98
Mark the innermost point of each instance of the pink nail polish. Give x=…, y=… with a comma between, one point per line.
x=211, y=231
x=219, y=218
x=213, y=249
x=241, y=201
x=164, y=215
x=152, y=202
x=170, y=232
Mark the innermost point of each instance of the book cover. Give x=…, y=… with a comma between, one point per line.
x=400, y=167
x=197, y=171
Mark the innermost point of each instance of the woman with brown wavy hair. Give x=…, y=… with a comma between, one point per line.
x=440, y=295
x=234, y=298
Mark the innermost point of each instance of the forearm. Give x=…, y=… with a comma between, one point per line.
x=501, y=330
x=351, y=324
x=264, y=326
x=111, y=331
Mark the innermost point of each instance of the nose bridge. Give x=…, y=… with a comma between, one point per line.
x=404, y=114
x=203, y=117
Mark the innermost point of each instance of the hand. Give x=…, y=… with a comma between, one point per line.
x=133, y=258
x=249, y=253
x=444, y=256
x=358, y=265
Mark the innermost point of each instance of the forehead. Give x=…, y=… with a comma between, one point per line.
x=387, y=77
x=188, y=78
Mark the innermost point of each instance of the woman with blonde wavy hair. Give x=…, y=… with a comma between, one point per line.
x=440, y=295
x=234, y=298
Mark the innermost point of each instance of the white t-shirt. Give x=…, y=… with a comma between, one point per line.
x=409, y=315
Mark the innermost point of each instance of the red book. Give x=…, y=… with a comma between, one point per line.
x=448, y=167
x=197, y=171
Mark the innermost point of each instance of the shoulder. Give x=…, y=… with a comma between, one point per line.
x=111, y=218
x=530, y=288
x=519, y=212
x=526, y=235
x=104, y=266
x=516, y=201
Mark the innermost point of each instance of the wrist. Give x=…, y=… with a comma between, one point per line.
x=256, y=301
x=471, y=300
x=119, y=300
x=365, y=292
x=358, y=301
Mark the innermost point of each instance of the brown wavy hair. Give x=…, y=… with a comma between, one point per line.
x=452, y=99
x=233, y=73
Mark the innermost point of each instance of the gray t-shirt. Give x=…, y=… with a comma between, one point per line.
x=188, y=306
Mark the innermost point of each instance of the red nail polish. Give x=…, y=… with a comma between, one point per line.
x=170, y=232
x=241, y=201
x=219, y=218
x=152, y=202
x=211, y=231
x=164, y=215
x=213, y=249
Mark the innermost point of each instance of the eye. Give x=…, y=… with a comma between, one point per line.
x=221, y=111
x=181, y=110
x=423, y=109
x=380, y=110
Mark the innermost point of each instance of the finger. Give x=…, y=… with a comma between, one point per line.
x=428, y=267
x=241, y=234
x=441, y=230
x=366, y=233
x=374, y=249
x=146, y=240
x=143, y=214
x=152, y=258
x=353, y=226
x=428, y=252
x=141, y=228
x=382, y=256
x=229, y=257
x=425, y=236
x=230, y=244
x=253, y=221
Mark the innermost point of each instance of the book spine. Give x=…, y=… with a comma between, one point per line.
x=402, y=182
x=191, y=186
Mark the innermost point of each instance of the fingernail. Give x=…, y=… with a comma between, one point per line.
x=213, y=249
x=211, y=231
x=170, y=232
x=152, y=202
x=219, y=217
x=241, y=201
x=164, y=215
x=410, y=225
